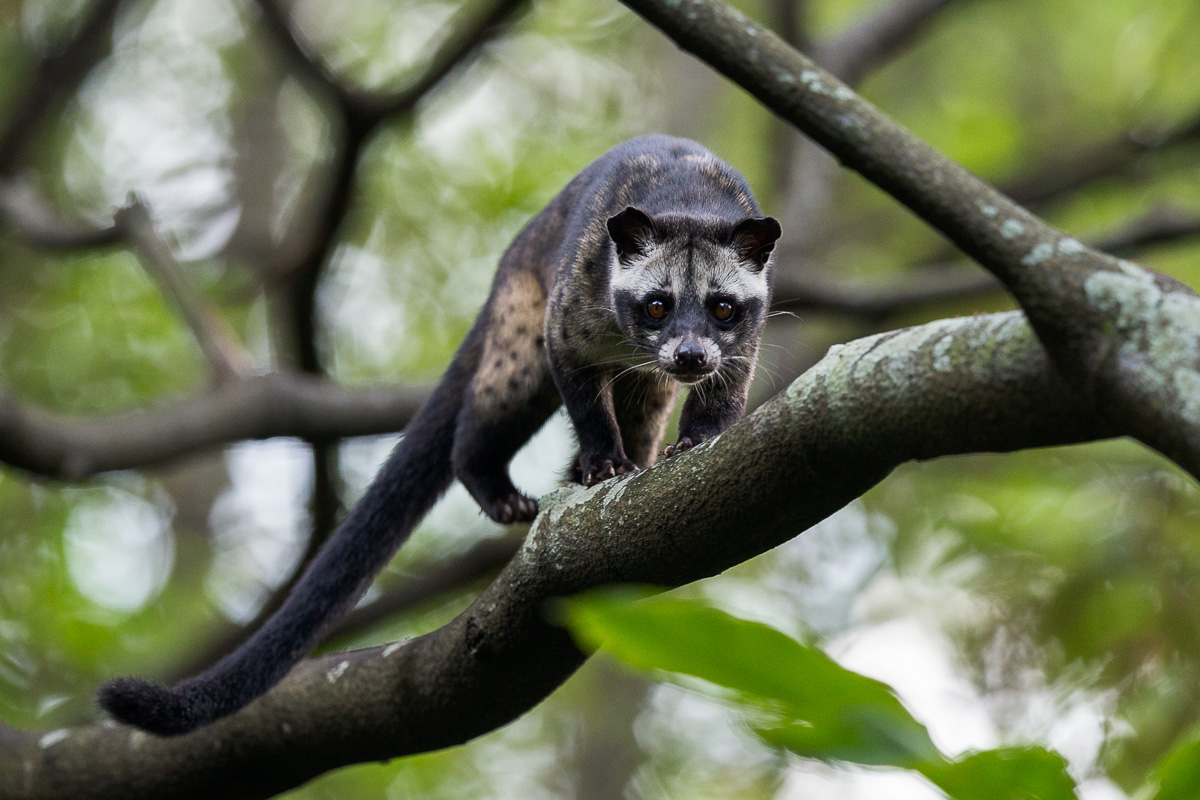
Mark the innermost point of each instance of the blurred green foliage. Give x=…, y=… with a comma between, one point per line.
x=1055, y=592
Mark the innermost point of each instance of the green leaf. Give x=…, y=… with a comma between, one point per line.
x=1008, y=773
x=1177, y=776
x=864, y=738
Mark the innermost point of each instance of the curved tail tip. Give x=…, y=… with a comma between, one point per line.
x=153, y=708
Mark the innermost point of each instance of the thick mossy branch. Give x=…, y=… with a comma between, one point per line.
x=955, y=386
x=1130, y=341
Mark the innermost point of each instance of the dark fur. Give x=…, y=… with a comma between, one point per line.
x=549, y=333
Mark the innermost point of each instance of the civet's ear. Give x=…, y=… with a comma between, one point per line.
x=632, y=231
x=755, y=238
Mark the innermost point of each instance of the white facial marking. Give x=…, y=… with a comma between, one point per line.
x=708, y=269
x=666, y=351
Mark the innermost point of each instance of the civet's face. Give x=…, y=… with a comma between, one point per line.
x=690, y=291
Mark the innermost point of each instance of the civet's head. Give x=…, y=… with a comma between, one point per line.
x=690, y=290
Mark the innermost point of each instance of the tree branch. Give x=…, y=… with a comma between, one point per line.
x=56, y=75
x=59, y=72
x=874, y=39
x=876, y=303
x=982, y=383
x=360, y=117
x=483, y=560
x=298, y=51
x=27, y=214
x=956, y=281
x=1076, y=168
x=790, y=18
x=259, y=407
x=1129, y=336
x=1156, y=227
x=364, y=110
x=470, y=29
x=361, y=113
x=806, y=175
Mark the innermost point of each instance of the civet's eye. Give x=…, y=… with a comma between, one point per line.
x=657, y=309
x=723, y=311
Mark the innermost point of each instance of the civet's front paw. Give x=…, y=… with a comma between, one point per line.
x=675, y=449
x=591, y=471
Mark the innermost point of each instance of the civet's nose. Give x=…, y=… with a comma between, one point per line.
x=690, y=355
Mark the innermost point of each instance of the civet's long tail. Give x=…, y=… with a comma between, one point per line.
x=412, y=480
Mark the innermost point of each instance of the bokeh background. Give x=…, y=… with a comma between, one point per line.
x=1049, y=596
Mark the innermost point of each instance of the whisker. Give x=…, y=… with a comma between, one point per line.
x=623, y=372
x=769, y=369
x=772, y=372
x=620, y=359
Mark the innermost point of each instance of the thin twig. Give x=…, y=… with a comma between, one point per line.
x=483, y=560
x=1076, y=167
x=229, y=360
